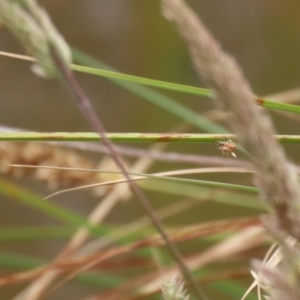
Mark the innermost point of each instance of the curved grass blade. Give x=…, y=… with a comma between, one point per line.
x=123, y=80
x=91, y=63
x=197, y=192
x=154, y=97
x=191, y=190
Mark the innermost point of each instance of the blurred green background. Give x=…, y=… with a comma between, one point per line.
x=133, y=37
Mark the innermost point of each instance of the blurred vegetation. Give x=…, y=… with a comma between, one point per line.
x=133, y=38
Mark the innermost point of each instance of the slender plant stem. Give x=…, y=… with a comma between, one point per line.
x=129, y=137
x=87, y=110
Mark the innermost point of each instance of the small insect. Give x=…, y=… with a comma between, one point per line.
x=228, y=147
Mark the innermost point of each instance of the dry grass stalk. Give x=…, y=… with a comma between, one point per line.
x=247, y=238
x=243, y=240
x=160, y=174
x=275, y=176
x=150, y=283
x=178, y=235
x=140, y=224
x=118, y=193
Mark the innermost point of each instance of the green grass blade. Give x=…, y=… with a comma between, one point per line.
x=159, y=177
x=154, y=97
x=206, y=183
x=114, y=137
x=200, y=192
x=279, y=106
x=107, y=72
x=129, y=137
x=144, y=81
